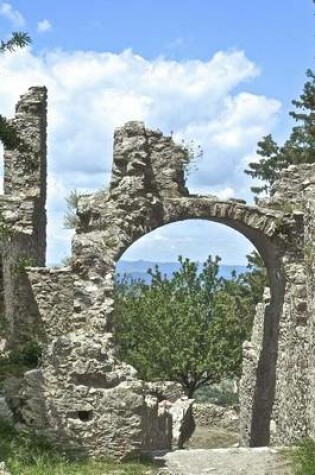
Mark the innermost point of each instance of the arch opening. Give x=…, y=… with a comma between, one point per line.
x=263, y=395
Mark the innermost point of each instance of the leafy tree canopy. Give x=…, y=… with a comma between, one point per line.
x=189, y=328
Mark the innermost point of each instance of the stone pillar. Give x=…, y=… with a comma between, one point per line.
x=290, y=409
x=290, y=418
x=293, y=328
x=251, y=354
x=23, y=215
x=309, y=258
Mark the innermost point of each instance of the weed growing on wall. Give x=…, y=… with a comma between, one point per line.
x=15, y=363
x=5, y=229
x=70, y=220
x=22, y=263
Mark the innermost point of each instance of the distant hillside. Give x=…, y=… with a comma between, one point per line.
x=134, y=270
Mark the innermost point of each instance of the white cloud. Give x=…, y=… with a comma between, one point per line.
x=43, y=26
x=225, y=193
x=11, y=14
x=90, y=93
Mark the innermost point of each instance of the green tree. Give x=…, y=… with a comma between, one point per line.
x=70, y=219
x=298, y=148
x=18, y=39
x=8, y=135
x=247, y=289
x=254, y=281
x=187, y=329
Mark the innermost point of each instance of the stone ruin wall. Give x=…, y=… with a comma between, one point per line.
x=291, y=417
x=23, y=215
x=81, y=394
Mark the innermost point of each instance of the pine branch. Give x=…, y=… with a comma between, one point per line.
x=18, y=39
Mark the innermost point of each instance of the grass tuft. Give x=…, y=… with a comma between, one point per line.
x=27, y=453
x=302, y=457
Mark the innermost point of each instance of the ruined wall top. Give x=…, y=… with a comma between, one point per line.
x=147, y=160
x=25, y=166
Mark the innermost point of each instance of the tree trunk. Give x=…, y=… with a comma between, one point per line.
x=190, y=391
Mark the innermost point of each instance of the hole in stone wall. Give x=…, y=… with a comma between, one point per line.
x=85, y=416
x=196, y=240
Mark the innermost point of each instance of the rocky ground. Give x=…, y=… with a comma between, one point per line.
x=3, y=469
x=213, y=450
x=233, y=461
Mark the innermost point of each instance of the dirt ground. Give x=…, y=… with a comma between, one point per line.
x=211, y=438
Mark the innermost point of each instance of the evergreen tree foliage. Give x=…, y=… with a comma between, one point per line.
x=70, y=219
x=18, y=39
x=298, y=148
x=8, y=135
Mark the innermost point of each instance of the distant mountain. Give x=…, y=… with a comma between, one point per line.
x=134, y=270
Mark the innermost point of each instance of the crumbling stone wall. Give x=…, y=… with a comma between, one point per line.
x=213, y=415
x=293, y=420
x=291, y=417
x=81, y=394
x=23, y=216
x=309, y=294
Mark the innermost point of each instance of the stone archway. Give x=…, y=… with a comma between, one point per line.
x=148, y=191
x=87, y=399
x=259, y=228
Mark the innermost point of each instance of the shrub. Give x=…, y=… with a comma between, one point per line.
x=303, y=457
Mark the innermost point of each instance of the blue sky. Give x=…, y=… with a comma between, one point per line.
x=229, y=69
